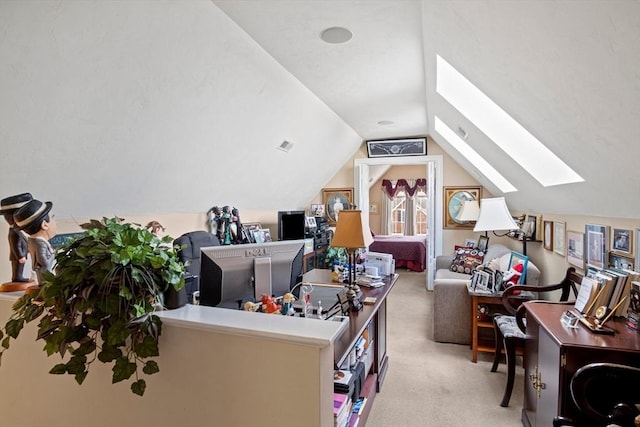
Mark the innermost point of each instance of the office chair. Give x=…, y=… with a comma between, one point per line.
x=606, y=394
x=510, y=328
x=190, y=256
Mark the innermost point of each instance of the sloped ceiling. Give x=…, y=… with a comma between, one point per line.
x=568, y=71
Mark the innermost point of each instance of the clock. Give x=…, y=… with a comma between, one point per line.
x=454, y=198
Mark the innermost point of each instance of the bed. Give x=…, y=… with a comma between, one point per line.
x=408, y=251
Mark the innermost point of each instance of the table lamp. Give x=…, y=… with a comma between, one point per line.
x=351, y=235
x=495, y=216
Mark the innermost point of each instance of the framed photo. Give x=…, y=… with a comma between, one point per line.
x=397, y=147
x=483, y=243
x=558, y=237
x=453, y=199
x=547, y=240
x=622, y=242
x=620, y=261
x=335, y=200
x=471, y=243
x=529, y=227
x=575, y=248
x=317, y=210
x=515, y=259
x=596, y=236
x=482, y=281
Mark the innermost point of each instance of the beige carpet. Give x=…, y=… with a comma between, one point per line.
x=436, y=384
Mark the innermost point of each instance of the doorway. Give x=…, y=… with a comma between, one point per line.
x=434, y=174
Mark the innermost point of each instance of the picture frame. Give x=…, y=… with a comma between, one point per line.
x=518, y=258
x=397, y=147
x=334, y=200
x=482, y=281
x=596, y=242
x=529, y=227
x=472, y=243
x=483, y=243
x=453, y=199
x=317, y=209
x=637, y=243
x=547, y=240
x=622, y=241
x=558, y=237
x=620, y=261
x=575, y=248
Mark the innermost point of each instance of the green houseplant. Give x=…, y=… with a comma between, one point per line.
x=100, y=303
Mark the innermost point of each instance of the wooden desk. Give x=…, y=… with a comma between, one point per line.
x=554, y=353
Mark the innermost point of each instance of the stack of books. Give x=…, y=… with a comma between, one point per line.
x=613, y=289
x=633, y=312
x=341, y=409
x=343, y=382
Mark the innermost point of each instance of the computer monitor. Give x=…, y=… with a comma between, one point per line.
x=291, y=225
x=233, y=274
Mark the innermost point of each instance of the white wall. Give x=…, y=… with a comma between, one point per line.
x=159, y=107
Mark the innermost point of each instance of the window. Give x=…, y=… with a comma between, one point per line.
x=398, y=213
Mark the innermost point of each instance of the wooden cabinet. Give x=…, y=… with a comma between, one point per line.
x=553, y=353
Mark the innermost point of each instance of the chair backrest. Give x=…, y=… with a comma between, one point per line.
x=189, y=254
x=569, y=283
x=607, y=393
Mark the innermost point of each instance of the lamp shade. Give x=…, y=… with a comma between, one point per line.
x=494, y=215
x=350, y=232
x=469, y=211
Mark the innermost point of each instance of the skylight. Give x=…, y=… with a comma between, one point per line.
x=472, y=155
x=501, y=128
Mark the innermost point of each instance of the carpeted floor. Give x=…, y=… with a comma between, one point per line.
x=436, y=384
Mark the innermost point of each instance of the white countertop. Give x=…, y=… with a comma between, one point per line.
x=314, y=332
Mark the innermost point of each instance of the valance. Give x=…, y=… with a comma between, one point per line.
x=403, y=185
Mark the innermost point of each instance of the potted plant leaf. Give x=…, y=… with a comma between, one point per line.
x=100, y=303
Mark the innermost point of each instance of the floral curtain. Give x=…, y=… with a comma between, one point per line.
x=408, y=186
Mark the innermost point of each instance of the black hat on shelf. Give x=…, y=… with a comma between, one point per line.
x=11, y=204
x=32, y=212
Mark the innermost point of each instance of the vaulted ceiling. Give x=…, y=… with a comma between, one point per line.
x=567, y=71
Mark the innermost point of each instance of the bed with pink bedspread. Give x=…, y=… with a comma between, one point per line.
x=408, y=251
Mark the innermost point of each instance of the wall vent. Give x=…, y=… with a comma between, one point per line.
x=286, y=146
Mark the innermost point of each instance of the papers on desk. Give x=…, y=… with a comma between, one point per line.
x=370, y=282
x=586, y=295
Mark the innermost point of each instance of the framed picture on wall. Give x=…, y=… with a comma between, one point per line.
x=335, y=200
x=622, y=241
x=397, y=147
x=596, y=236
x=454, y=197
x=547, y=240
x=620, y=261
x=558, y=237
x=575, y=248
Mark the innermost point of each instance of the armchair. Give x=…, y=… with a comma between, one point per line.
x=510, y=329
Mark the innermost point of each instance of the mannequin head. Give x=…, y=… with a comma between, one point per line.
x=9, y=205
x=34, y=218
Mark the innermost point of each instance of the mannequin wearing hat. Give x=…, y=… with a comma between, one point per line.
x=18, y=250
x=34, y=219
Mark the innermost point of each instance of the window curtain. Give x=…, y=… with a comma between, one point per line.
x=409, y=186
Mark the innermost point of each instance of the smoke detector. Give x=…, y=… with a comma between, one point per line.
x=285, y=146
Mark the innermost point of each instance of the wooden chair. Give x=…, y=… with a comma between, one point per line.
x=606, y=394
x=510, y=328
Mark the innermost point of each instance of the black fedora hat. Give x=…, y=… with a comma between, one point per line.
x=13, y=203
x=32, y=212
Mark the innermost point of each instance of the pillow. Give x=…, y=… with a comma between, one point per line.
x=466, y=260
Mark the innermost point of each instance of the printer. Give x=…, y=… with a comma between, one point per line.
x=385, y=263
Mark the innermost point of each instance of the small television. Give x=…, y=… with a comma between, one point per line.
x=291, y=225
x=234, y=274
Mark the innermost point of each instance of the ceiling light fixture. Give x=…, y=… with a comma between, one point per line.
x=335, y=35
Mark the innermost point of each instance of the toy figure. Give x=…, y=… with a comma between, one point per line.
x=269, y=305
x=214, y=221
x=225, y=219
x=287, y=304
x=512, y=277
x=18, y=250
x=33, y=218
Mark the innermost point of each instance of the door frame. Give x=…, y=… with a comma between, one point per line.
x=434, y=174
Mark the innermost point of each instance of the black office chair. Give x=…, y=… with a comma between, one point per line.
x=190, y=255
x=606, y=394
